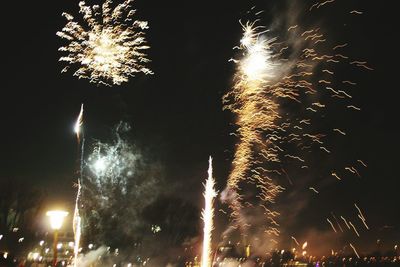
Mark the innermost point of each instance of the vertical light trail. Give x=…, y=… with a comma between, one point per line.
x=77, y=218
x=207, y=216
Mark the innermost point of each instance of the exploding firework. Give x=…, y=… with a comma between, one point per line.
x=207, y=215
x=109, y=47
x=119, y=184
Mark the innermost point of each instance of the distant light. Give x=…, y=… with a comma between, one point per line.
x=41, y=243
x=1, y=236
x=56, y=218
x=90, y=246
x=71, y=244
x=15, y=229
x=155, y=229
x=5, y=255
x=35, y=256
x=59, y=245
x=21, y=240
x=46, y=250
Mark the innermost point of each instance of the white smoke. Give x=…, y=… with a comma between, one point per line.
x=91, y=257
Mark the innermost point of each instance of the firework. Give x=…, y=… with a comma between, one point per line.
x=273, y=98
x=119, y=185
x=110, y=162
x=255, y=110
x=109, y=47
x=207, y=215
x=77, y=227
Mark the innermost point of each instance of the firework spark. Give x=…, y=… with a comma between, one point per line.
x=355, y=251
x=109, y=47
x=295, y=240
x=207, y=215
x=361, y=216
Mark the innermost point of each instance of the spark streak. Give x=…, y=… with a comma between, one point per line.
x=345, y=222
x=333, y=227
x=207, y=215
x=295, y=240
x=361, y=216
x=313, y=189
x=355, y=251
x=354, y=228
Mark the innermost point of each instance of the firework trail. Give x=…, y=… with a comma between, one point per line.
x=77, y=222
x=273, y=99
x=256, y=113
x=108, y=47
x=207, y=216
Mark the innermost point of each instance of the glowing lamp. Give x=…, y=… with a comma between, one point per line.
x=56, y=218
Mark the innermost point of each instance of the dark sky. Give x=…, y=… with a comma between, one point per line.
x=177, y=113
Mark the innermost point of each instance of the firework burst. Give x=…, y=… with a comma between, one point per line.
x=118, y=186
x=108, y=47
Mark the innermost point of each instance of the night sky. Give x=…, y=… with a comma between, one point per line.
x=176, y=114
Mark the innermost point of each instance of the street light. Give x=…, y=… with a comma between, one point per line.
x=56, y=221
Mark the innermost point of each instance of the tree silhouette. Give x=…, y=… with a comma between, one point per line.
x=20, y=204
